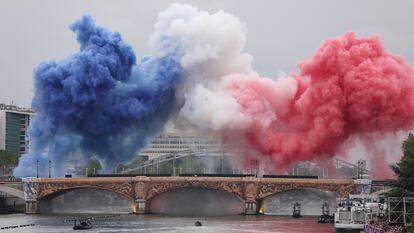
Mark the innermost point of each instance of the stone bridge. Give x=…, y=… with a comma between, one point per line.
x=12, y=188
x=139, y=190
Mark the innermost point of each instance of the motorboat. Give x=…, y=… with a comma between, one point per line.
x=353, y=213
x=82, y=224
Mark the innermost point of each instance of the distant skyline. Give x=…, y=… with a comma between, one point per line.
x=280, y=33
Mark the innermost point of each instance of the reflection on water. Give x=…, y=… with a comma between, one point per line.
x=311, y=201
x=157, y=223
x=196, y=202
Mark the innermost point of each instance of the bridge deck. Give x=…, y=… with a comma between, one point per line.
x=192, y=178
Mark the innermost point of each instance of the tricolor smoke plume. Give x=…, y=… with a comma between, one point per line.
x=99, y=103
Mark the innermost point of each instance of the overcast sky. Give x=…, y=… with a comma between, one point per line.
x=280, y=33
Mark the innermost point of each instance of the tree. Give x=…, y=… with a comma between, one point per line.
x=404, y=186
x=8, y=159
x=93, y=166
x=405, y=169
x=121, y=167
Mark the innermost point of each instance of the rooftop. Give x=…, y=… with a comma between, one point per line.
x=14, y=108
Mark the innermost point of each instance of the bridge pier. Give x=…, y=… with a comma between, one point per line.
x=251, y=208
x=32, y=207
x=140, y=206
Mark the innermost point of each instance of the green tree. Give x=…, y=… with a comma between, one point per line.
x=121, y=167
x=405, y=169
x=404, y=185
x=8, y=159
x=93, y=166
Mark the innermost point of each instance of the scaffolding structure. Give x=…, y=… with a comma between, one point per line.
x=400, y=210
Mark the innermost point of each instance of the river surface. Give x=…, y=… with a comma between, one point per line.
x=167, y=224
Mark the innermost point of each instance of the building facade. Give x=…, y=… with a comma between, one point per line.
x=14, y=122
x=171, y=142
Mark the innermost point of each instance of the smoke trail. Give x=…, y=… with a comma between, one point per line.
x=98, y=102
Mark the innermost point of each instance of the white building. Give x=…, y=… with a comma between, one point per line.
x=175, y=142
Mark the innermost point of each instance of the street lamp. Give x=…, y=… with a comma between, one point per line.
x=360, y=168
x=50, y=166
x=257, y=167
x=251, y=167
x=173, y=165
x=37, y=168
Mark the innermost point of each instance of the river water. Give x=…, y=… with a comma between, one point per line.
x=167, y=224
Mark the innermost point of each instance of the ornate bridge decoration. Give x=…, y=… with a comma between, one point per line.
x=142, y=189
x=55, y=186
x=230, y=185
x=337, y=186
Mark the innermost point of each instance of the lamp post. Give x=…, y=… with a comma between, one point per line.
x=50, y=168
x=251, y=166
x=173, y=165
x=221, y=163
x=257, y=167
x=37, y=168
x=359, y=169
x=158, y=166
x=191, y=164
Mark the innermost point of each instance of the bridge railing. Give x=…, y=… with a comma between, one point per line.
x=214, y=153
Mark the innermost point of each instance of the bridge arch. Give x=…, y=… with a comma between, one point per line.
x=12, y=191
x=196, y=200
x=157, y=188
x=85, y=201
x=62, y=191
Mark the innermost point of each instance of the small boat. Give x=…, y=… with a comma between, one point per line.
x=198, y=224
x=296, y=211
x=84, y=224
x=325, y=217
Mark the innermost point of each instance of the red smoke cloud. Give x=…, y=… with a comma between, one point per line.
x=352, y=85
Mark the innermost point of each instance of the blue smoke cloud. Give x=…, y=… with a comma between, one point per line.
x=98, y=102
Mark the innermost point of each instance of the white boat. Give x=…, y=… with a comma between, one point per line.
x=353, y=213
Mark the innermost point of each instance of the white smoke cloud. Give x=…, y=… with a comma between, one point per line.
x=209, y=47
x=213, y=110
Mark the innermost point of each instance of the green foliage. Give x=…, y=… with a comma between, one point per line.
x=191, y=165
x=405, y=168
x=121, y=167
x=93, y=166
x=136, y=162
x=8, y=159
